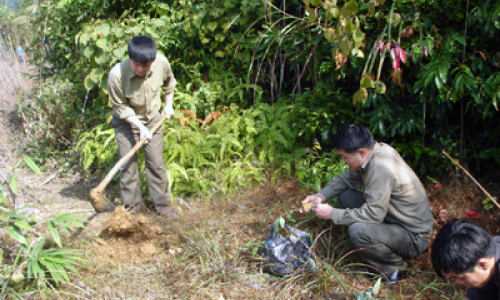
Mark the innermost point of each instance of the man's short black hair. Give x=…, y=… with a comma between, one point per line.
x=459, y=246
x=351, y=137
x=142, y=49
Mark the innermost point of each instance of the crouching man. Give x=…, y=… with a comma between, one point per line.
x=391, y=219
x=463, y=251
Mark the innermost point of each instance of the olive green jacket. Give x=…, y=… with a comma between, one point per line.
x=140, y=96
x=392, y=190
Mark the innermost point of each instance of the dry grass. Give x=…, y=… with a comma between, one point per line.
x=13, y=78
x=211, y=258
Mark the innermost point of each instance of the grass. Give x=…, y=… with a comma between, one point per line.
x=213, y=259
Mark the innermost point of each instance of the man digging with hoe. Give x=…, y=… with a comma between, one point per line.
x=134, y=87
x=388, y=222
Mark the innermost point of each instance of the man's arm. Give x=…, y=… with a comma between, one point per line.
x=168, y=110
x=121, y=107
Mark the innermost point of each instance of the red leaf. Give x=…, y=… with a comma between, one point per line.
x=395, y=59
x=481, y=53
x=438, y=185
x=472, y=214
x=402, y=55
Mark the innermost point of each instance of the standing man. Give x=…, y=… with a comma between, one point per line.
x=463, y=251
x=134, y=86
x=391, y=219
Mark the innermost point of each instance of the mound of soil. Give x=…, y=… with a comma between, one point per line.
x=129, y=239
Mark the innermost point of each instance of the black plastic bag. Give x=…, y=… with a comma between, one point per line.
x=287, y=256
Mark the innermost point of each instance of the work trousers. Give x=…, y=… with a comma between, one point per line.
x=383, y=246
x=127, y=136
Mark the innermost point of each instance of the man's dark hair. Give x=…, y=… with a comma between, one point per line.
x=459, y=246
x=142, y=49
x=351, y=137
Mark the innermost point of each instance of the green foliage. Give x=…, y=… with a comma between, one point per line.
x=369, y=295
x=317, y=169
x=34, y=260
x=416, y=75
x=53, y=118
x=97, y=146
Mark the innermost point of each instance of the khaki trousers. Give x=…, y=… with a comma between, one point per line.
x=384, y=246
x=127, y=136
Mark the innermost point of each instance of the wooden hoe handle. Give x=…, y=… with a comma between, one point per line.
x=124, y=159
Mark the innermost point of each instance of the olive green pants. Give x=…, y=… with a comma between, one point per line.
x=127, y=136
x=383, y=246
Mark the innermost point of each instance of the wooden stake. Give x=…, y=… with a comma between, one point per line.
x=473, y=179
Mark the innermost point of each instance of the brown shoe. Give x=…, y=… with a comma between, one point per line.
x=166, y=211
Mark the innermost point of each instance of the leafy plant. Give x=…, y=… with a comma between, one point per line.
x=34, y=260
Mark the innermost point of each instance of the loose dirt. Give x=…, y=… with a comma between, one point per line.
x=129, y=239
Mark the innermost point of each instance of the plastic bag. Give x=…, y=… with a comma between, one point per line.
x=287, y=256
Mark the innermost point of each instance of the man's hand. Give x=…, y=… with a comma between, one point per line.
x=144, y=133
x=316, y=198
x=323, y=211
x=168, y=112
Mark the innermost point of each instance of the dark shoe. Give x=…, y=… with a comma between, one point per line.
x=393, y=278
x=133, y=209
x=166, y=212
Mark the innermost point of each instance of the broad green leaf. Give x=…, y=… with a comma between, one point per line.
x=31, y=164
x=219, y=37
x=282, y=222
x=356, y=52
x=118, y=32
x=349, y=26
x=315, y=2
x=23, y=225
x=371, y=8
x=84, y=38
x=101, y=58
x=55, y=234
x=211, y=26
x=360, y=96
x=16, y=235
x=367, y=82
x=396, y=19
x=380, y=87
x=102, y=43
x=13, y=184
x=89, y=83
x=88, y=52
x=330, y=35
x=160, y=23
x=352, y=6
x=345, y=46
x=120, y=52
x=336, y=13
x=219, y=53
x=358, y=36
x=277, y=225
x=104, y=28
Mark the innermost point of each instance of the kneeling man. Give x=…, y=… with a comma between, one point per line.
x=389, y=220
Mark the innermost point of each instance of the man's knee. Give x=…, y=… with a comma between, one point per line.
x=358, y=235
x=350, y=199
